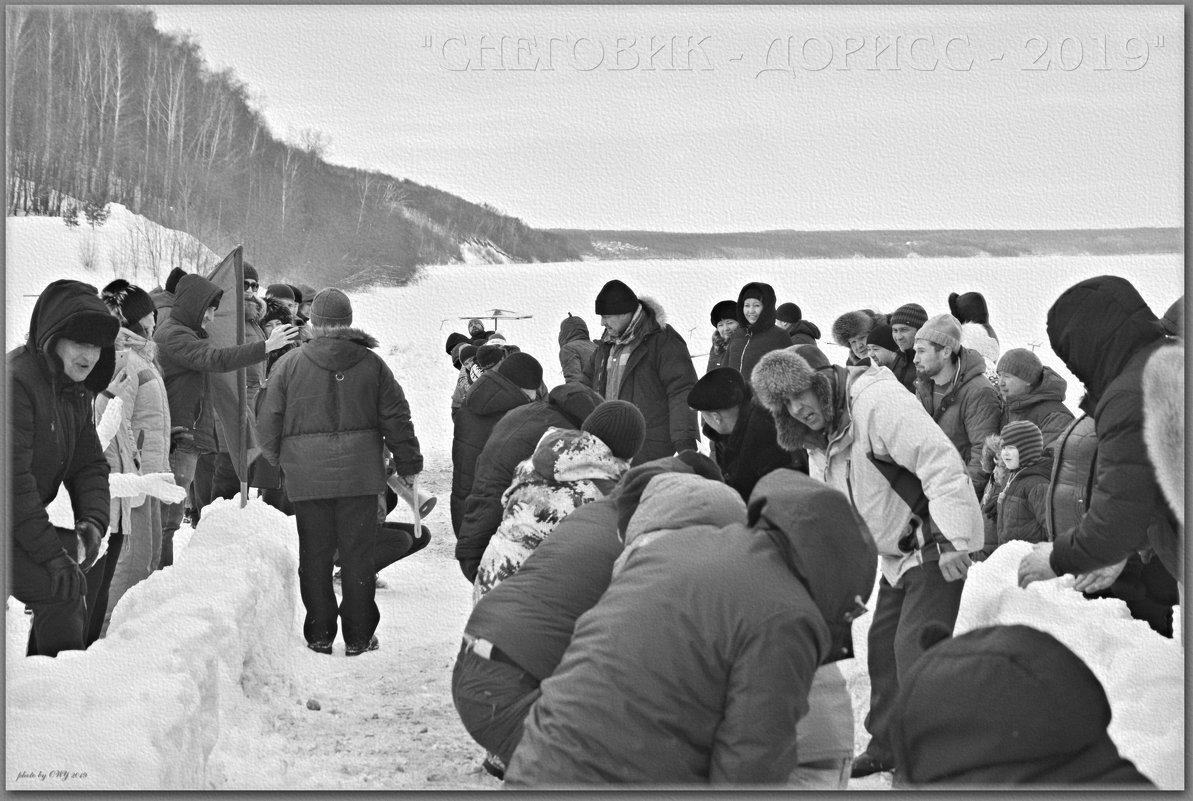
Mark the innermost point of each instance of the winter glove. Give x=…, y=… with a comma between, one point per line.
x=684, y=445
x=159, y=485
x=89, y=537
x=66, y=579
x=470, y=567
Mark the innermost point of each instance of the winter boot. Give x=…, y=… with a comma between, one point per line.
x=359, y=648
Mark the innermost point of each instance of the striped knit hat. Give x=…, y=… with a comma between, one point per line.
x=1025, y=437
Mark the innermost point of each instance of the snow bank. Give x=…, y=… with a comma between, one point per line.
x=187, y=654
x=1143, y=673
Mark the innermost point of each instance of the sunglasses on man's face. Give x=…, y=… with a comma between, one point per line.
x=251, y=285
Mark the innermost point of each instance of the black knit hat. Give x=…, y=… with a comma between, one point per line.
x=880, y=335
x=250, y=272
x=130, y=303
x=172, y=278
x=722, y=388
x=467, y=351
x=280, y=291
x=90, y=328
x=489, y=356
x=788, y=313
x=619, y=425
x=724, y=310
x=616, y=298
x=521, y=368
x=455, y=338
x=1025, y=437
x=909, y=314
x=331, y=308
x=969, y=307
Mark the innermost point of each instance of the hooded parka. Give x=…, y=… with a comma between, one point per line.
x=758, y=339
x=576, y=347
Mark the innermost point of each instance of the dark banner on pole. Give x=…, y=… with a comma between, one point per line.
x=229, y=396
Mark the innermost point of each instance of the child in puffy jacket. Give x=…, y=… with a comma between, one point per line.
x=1021, y=513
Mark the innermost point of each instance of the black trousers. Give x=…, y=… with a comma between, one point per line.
x=57, y=625
x=348, y=525
x=99, y=581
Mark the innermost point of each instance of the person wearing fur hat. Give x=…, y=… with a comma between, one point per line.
x=569, y=468
x=731, y=620
x=512, y=441
x=147, y=414
x=954, y=389
x=186, y=357
x=332, y=406
x=1040, y=720
x=575, y=349
x=643, y=360
x=970, y=307
x=1104, y=332
x=850, y=331
x=905, y=322
x=1032, y=391
x=870, y=439
x=742, y=433
x=518, y=632
x=756, y=316
x=725, y=327
x=68, y=357
x=790, y=318
x=881, y=347
x=516, y=381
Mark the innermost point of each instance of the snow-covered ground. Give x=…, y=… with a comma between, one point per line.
x=203, y=681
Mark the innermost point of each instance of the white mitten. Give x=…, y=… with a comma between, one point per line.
x=161, y=485
x=124, y=485
x=107, y=427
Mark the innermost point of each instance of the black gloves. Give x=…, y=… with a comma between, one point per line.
x=67, y=581
x=89, y=536
x=469, y=568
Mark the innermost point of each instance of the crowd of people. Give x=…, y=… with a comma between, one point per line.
x=583, y=506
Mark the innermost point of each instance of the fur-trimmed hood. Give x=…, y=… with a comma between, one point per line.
x=338, y=348
x=766, y=319
x=1164, y=422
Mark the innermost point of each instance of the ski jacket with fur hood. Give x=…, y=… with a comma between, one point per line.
x=1043, y=405
x=186, y=357
x=52, y=439
x=657, y=377
x=876, y=416
x=330, y=409
x=729, y=627
x=1105, y=333
x=755, y=341
x=513, y=440
x=968, y=413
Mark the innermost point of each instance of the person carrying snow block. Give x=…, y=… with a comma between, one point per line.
x=643, y=360
x=567, y=470
x=513, y=440
x=1104, y=332
x=869, y=438
x=1040, y=718
x=575, y=349
x=331, y=406
x=69, y=356
x=695, y=665
x=187, y=357
x=742, y=432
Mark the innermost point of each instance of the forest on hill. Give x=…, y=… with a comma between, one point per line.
x=102, y=107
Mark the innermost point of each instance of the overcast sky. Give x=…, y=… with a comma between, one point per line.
x=735, y=118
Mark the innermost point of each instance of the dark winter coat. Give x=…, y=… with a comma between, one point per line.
x=186, y=357
x=331, y=409
x=531, y=615
x=513, y=439
x=1022, y=505
x=1105, y=333
x=718, y=351
x=52, y=439
x=1044, y=405
x=751, y=450
x=728, y=627
x=904, y=369
x=485, y=403
x=968, y=413
x=657, y=379
x=804, y=333
x=758, y=339
x=575, y=350
x=163, y=301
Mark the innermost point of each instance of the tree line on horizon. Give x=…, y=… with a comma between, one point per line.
x=102, y=107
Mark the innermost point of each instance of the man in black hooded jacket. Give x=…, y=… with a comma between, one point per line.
x=68, y=357
x=1104, y=332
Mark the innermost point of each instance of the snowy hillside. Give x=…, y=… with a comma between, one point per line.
x=204, y=683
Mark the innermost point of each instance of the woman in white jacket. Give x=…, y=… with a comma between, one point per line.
x=871, y=439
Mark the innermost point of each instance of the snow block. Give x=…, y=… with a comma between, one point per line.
x=207, y=634
x=1141, y=672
